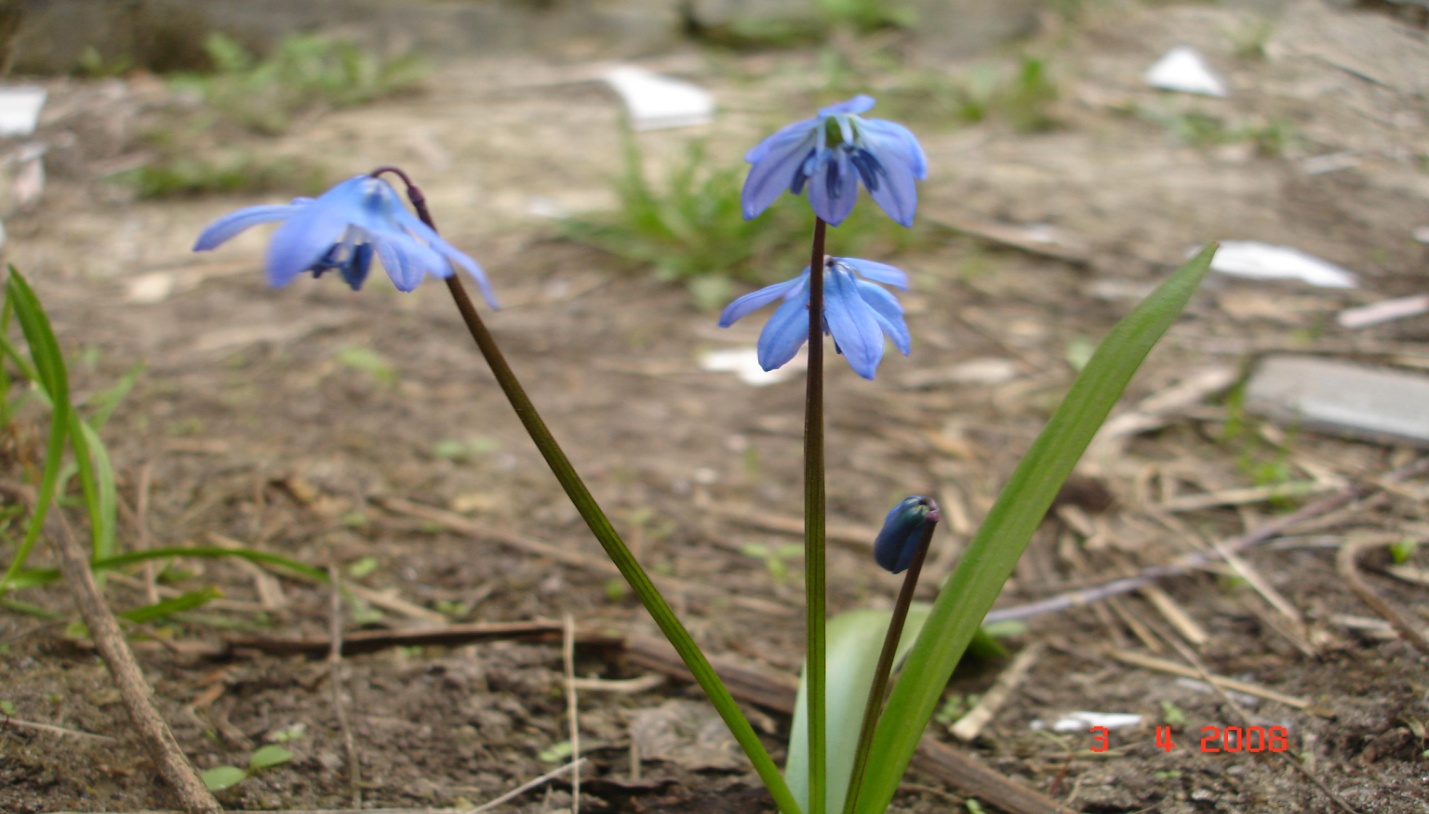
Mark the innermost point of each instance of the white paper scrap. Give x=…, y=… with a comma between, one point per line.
x=1184, y=69
x=658, y=102
x=1082, y=721
x=1421, y=234
x=1383, y=311
x=20, y=110
x=1261, y=261
x=744, y=363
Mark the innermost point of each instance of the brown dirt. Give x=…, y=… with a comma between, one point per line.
x=253, y=429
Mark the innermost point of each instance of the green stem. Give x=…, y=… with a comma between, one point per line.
x=814, y=587
x=884, y=669
x=615, y=548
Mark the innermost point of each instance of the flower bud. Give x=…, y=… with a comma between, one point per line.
x=902, y=532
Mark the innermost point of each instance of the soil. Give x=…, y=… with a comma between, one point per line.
x=295, y=421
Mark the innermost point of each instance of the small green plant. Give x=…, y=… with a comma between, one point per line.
x=1403, y=551
x=692, y=231
x=867, y=16
x=304, y=74
x=954, y=707
x=366, y=360
x=1251, y=39
x=92, y=63
x=1027, y=101
x=265, y=757
x=177, y=175
x=776, y=558
x=1172, y=714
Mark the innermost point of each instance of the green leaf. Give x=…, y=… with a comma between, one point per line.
x=994, y=551
x=855, y=639
x=268, y=756
x=557, y=752
x=223, y=777
x=368, y=361
x=159, y=610
x=49, y=372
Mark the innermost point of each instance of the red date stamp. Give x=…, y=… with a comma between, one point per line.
x=1213, y=739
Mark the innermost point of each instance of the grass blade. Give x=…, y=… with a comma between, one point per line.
x=49, y=371
x=990, y=557
x=168, y=607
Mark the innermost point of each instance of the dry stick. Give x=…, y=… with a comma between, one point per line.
x=141, y=525
x=1147, y=662
x=6, y=720
x=155, y=733
x=507, y=797
x=464, y=525
x=1349, y=569
x=970, y=725
x=334, y=660
x=1191, y=562
x=568, y=659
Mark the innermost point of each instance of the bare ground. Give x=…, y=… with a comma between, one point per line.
x=247, y=425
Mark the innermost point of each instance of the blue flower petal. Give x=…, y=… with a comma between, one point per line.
x=775, y=170
x=795, y=131
x=877, y=272
x=428, y=235
x=227, y=227
x=861, y=103
x=355, y=270
x=833, y=188
x=897, y=192
x=890, y=139
x=784, y=333
x=852, y=322
x=303, y=240
x=753, y=301
x=889, y=315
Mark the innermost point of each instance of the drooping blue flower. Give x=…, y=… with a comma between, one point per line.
x=341, y=230
x=832, y=153
x=857, y=314
x=898, y=540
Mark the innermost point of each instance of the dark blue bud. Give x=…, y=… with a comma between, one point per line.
x=902, y=530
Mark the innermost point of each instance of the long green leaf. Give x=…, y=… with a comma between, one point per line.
x=45, y=576
x=990, y=557
x=49, y=371
x=168, y=607
x=854, y=641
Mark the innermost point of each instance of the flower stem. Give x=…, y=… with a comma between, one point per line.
x=814, y=588
x=884, y=669
x=605, y=533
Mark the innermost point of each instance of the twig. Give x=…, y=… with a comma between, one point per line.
x=1349, y=569
x=970, y=725
x=1197, y=560
x=109, y=640
x=141, y=524
x=568, y=659
x=334, y=660
x=52, y=729
x=462, y=525
x=1162, y=665
x=508, y=796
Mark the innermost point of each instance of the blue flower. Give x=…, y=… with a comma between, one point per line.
x=902, y=531
x=341, y=231
x=857, y=314
x=832, y=153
